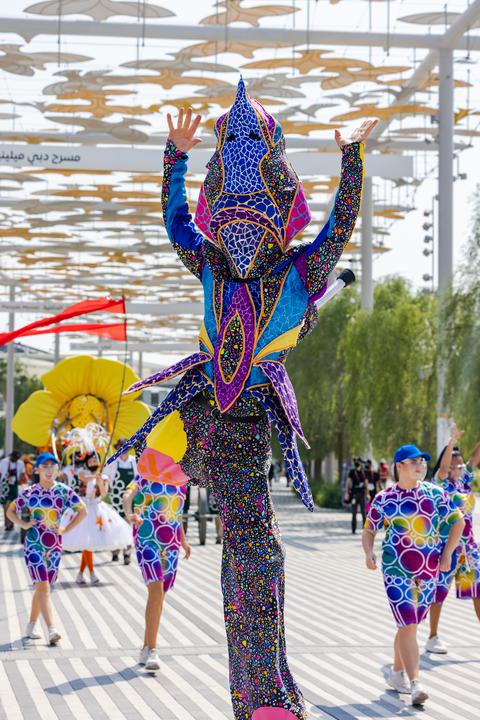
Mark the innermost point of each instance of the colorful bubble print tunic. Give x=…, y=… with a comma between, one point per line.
x=466, y=560
x=158, y=539
x=414, y=521
x=259, y=298
x=43, y=546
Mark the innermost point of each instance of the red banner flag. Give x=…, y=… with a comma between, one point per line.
x=81, y=308
x=114, y=331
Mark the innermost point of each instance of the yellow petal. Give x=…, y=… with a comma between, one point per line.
x=130, y=417
x=69, y=378
x=34, y=418
x=84, y=375
x=109, y=378
x=169, y=437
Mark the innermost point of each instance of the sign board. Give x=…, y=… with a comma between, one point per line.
x=124, y=159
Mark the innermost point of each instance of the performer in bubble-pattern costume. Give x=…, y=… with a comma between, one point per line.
x=55, y=510
x=455, y=477
x=413, y=514
x=414, y=522
x=43, y=545
x=259, y=303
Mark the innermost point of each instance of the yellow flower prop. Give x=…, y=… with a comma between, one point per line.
x=81, y=390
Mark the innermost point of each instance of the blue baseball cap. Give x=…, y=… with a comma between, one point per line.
x=406, y=452
x=45, y=457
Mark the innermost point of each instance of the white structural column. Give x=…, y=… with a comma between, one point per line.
x=367, y=245
x=10, y=384
x=445, y=216
x=56, y=349
x=445, y=170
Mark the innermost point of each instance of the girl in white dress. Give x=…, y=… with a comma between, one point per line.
x=103, y=528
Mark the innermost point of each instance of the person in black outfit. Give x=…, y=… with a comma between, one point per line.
x=355, y=491
x=373, y=480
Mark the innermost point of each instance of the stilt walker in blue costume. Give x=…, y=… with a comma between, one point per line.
x=259, y=303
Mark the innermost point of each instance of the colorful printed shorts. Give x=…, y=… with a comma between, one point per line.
x=466, y=571
x=409, y=598
x=43, y=563
x=157, y=561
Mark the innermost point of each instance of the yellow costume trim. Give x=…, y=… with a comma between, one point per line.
x=169, y=437
x=282, y=342
x=204, y=337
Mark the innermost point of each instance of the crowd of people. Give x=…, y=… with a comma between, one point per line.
x=82, y=507
x=428, y=544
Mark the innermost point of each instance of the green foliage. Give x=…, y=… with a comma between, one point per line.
x=369, y=379
x=316, y=368
x=390, y=370
x=327, y=495
x=461, y=339
x=25, y=385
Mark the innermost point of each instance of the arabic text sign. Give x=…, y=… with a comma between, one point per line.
x=126, y=159
x=71, y=157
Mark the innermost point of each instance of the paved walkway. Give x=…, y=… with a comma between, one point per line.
x=339, y=632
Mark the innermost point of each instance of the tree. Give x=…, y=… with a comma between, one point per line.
x=316, y=368
x=25, y=385
x=367, y=380
x=461, y=346
x=390, y=370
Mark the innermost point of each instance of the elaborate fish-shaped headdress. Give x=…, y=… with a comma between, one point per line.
x=251, y=203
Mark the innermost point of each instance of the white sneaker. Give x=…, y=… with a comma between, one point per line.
x=143, y=655
x=153, y=663
x=31, y=633
x=418, y=693
x=435, y=645
x=94, y=579
x=53, y=636
x=80, y=580
x=398, y=681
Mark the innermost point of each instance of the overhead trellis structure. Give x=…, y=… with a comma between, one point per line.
x=86, y=85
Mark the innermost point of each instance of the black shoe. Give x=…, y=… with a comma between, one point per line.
x=218, y=541
x=126, y=559
x=114, y=556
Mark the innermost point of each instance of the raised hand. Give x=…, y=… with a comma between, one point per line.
x=358, y=135
x=182, y=136
x=455, y=433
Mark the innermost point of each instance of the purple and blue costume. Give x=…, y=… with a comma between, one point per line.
x=259, y=303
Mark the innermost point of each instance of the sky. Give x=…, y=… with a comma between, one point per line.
x=405, y=241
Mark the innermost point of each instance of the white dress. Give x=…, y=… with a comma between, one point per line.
x=102, y=528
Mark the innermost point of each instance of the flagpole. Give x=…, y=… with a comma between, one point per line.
x=56, y=351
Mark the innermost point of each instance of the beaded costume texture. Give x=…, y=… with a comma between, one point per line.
x=259, y=298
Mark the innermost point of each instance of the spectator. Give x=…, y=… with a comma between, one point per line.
x=12, y=473
x=373, y=480
x=355, y=491
x=384, y=474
